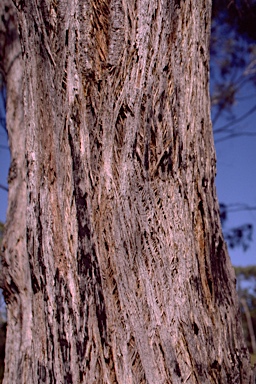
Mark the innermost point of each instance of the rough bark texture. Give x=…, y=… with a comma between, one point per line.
x=127, y=278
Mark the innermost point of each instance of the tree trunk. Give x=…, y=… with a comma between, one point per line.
x=125, y=276
x=15, y=272
x=249, y=324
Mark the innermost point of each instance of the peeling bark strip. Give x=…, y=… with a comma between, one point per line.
x=124, y=275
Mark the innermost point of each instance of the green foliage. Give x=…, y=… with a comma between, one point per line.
x=246, y=273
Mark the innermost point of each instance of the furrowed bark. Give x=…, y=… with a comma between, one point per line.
x=129, y=276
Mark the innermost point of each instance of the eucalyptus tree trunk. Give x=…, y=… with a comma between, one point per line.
x=15, y=273
x=125, y=272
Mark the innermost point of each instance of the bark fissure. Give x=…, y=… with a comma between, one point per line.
x=124, y=260
x=87, y=263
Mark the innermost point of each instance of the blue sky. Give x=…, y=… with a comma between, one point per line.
x=236, y=183
x=4, y=166
x=4, y=163
x=236, y=173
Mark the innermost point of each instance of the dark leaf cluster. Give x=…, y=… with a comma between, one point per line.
x=238, y=236
x=239, y=14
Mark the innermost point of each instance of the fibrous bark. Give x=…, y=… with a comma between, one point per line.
x=128, y=275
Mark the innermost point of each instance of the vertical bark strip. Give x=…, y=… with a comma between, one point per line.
x=130, y=277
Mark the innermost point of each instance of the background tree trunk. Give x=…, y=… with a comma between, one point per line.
x=125, y=275
x=15, y=273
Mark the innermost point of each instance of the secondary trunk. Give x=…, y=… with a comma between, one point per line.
x=125, y=275
x=15, y=273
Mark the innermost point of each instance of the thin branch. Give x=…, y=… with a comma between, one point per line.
x=237, y=207
x=4, y=187
x=235, y=121
x=4, y=146
x=234, y=135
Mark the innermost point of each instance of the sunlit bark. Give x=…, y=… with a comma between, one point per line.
x=127, y=275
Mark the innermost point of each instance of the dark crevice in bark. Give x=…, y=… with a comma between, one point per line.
x=39, y=252
x=41, y=372
x=50, y=352
x=87, y=261
x=34, y=281
x=219, y=271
